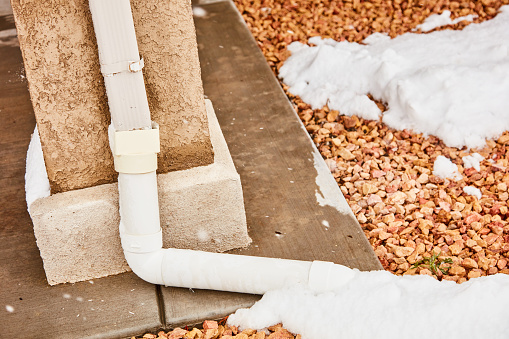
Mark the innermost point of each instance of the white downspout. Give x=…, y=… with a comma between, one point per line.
x=135, y=142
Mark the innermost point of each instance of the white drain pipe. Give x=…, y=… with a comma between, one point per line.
x=135, y=142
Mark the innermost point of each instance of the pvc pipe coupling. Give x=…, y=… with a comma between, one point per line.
x=135, y=151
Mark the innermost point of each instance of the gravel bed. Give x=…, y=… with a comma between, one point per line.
x=213, y=330
x=416, y=222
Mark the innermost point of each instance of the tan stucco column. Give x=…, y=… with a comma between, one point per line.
x=68, y=95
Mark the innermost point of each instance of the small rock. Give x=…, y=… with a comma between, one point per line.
x=384, y=235
x=457, y=270
x=346, y=154
x=259, y=335
x=492, y=270
x=423, y=178
x=377, y=173
x=276, y=327
x=420, y=248
x=362, y=218
x=368, y=188
x=177, y=333
x=504, y=139
x=281, y=334
x=210, y=324
x=471, y=243
x=456, y=248
x=472, y=218
x=249, y=331
x=211, y=333
x=458, y=206
x=396, y=198
x=403, y=251
x=443, y=216
x=331, y=164
x=425, y=271
x=425, y=225
x=469, y=263
x=502, y=263
x=490, y=239
x=476, y=226
x=336, y=142
x=391, y=188
x=194, y=333
x=474, y=274
x=373, y=199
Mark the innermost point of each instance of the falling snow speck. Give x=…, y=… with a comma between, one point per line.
x=199, y=12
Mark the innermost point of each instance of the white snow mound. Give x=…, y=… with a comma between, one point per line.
x=451, y=84
x=381, y=305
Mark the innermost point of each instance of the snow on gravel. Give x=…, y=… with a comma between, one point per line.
x=439, y=20
x=381, y=305
x=451, y=84
x=445, y=169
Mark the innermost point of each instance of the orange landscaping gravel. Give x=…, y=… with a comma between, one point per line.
x=212, y=330
x=406, y=212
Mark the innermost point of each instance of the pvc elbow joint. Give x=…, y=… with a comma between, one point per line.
x=144, y=255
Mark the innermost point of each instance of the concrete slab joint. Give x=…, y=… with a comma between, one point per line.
x=200, y=194
x=201, y=208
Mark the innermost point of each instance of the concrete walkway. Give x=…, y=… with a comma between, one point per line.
x=284, y=182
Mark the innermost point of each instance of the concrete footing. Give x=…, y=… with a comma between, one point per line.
x=201, y=208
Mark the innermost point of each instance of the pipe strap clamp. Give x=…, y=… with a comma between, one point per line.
x=135, y=152
x=109, y=70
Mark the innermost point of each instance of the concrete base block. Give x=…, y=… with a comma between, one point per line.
x=201, y=208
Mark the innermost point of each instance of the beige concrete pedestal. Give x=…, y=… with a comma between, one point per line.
x=201, y=208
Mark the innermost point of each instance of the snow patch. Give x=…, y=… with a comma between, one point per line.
x=36, y=177
x=369, y=304
x=439, y=20
x=473, y=161
x=445, y=169
x=471, y=190
x=328, y=192
x=451, y=84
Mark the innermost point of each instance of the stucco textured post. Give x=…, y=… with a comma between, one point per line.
x=200, y=193
x=68, y=95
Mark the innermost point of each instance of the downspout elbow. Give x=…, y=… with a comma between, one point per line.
x=144, y=255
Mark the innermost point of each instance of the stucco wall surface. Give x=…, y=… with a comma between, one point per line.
x=69, y=99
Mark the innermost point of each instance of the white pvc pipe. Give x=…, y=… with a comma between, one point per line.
x=140, y=230
x=116, y=39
